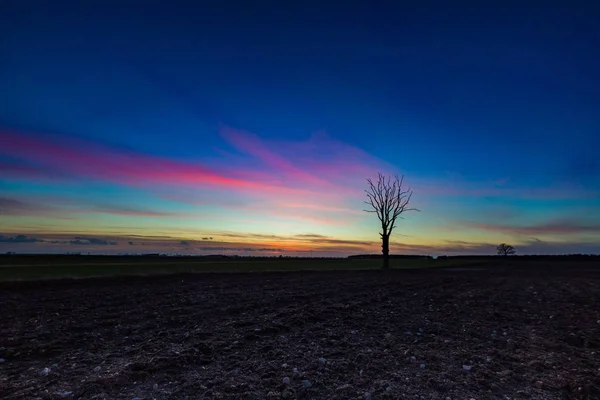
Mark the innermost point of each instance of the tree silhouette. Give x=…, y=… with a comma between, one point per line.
x=389, y=201
x=505, y=249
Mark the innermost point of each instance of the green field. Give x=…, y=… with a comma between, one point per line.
x=57, y=267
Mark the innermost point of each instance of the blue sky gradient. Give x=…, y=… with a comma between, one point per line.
x=257, y=123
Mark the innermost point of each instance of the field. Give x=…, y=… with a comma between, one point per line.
x=518, y=330
x=32, y=267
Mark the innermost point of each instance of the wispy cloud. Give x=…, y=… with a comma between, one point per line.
x=310, y=236
x=91, y=160
x=78, y=241
x=319, y=162
x=252, y=145
x=461, y=188
x=13, y=206
x=133, y=212
x=62, y=207
x=556, y=227
x=9, y=206
x=282, y=173
x=313, y=185
x=320, y=208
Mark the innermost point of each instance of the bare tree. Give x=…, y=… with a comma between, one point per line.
x=505, y=249
x=389, y=201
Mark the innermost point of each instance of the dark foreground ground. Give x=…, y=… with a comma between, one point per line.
x=529, y=331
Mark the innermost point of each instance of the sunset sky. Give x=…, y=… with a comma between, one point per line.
x=250, y=128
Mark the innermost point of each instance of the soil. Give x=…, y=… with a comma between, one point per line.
x=514, y=331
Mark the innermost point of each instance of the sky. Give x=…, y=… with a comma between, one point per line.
x=250, y=127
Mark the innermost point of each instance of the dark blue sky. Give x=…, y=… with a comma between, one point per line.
x=483, y=91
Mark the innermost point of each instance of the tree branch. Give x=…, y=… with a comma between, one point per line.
x=388, y=200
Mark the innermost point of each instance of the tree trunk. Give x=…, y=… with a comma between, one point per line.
x=385, y=249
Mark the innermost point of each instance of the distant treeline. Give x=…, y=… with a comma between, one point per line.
x=15, y=258
x=531, y=257
x=392, y=256
x=483, y=257
x=20, y=258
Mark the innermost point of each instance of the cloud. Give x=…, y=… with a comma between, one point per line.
x=19, y=239
x=299, y=241
x=334, y=160
x=291, y=245
x=92, y=242
x=241, y=249
x=556, y=247
x=312, y=185
x=10, y=206
x=327, y=241
x=250, y=235
x=132, y=212
x=333, y=171
x=557, y=227
x=283, y=178
x=91, y=160
x=251, y=144
x=315, y=181
x=433, y=188
x=14, y=206
x=310, y=236
x=319, y=208
x=67, y=208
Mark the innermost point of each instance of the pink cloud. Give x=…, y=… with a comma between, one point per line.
x=335, y=159
x=79, y=158
x=252, y=145
x=303, y=180
x=326, y=164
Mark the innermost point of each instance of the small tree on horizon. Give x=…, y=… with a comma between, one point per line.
x=505, y=250
x=389, y=201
